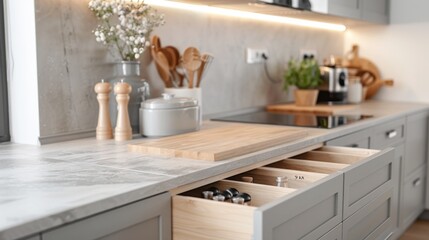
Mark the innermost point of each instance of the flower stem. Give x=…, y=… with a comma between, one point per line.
x=120, y=49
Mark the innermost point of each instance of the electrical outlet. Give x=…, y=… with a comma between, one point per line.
x=308, y=53
x=256, y=55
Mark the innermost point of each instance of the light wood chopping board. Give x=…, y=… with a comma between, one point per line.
x=220, y=143
x=323, y=109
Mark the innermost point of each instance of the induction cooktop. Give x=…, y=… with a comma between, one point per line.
x=294, y=119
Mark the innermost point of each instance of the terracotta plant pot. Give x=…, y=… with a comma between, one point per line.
x=306, y=97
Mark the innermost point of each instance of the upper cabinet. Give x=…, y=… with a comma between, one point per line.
x=345, y=8
x=375, y=11
x=349, y=12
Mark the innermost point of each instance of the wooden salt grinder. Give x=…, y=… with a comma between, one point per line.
x=104, y=126
x=123, y=129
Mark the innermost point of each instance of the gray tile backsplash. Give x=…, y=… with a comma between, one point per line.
x=70, y=61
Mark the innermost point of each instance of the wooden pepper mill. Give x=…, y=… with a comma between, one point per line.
x=123, y=129
x=104, y=126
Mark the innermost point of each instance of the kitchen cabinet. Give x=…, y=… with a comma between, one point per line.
x=345, y=180
x=375, y=11
x=377, y=220
x=37, y=237
x=416, y=144
x=336, y=11
x=356, y=140
x=408, y=136
x=388, y=134
x=334, y=234
x=412, y=198
x=148, y=219
x=345, y=8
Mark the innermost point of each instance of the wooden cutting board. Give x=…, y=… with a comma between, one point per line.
x=324, y=109
x=220, y=143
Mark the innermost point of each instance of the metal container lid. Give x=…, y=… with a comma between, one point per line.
x=168, y=101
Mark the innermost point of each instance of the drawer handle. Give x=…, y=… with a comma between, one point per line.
x=354, y=145
x=388, y=236
x=391, y=134
x=417, y=182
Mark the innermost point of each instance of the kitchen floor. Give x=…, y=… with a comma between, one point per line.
x=418, y=231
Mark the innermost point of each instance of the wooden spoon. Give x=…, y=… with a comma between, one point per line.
x=156, y=43
x=191, y=62
x=163, y=68
x=174, y=53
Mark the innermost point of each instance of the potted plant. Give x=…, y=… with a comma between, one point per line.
x=305, y=75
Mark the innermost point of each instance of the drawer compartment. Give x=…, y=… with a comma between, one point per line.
x=267, y=176
x=388, y=134
x=274, y=212
x=412, y=197
x=367, y=173
x=374, y=221
x=308, y=206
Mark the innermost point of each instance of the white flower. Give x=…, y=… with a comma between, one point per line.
x=133, y=23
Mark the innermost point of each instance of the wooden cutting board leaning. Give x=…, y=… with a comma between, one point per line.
x=220, y=143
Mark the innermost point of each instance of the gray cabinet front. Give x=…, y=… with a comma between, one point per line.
x=367, y=179
x=149, y=219
x=412, y=199
x=375, y=11
x=388, y=134
x=334, y=234
x=375, y=221
x=307, y=215
x=416, y=144
x=345, y=8
x=356, y=140
x=37, y=237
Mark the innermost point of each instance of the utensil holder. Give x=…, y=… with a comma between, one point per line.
x=190, y=93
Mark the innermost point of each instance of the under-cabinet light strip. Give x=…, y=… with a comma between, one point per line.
x=248, y=15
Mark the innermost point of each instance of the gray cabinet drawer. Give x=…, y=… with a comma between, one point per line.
x=147, y=219
x=307, y=207
x=275, y=212
x=374, y=221
x=412, y=199
x=388, y=134
x=334, y=234
x=367, y=173
x=416, y=144
x=357, y=140
x=37, y=237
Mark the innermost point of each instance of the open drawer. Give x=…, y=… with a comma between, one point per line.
x=309, y=206
x=367, y=173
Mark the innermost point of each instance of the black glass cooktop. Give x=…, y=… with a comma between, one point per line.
x=295, y=119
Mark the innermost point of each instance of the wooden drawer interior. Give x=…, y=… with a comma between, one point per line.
x=197, y=218
x=267, y=176
x=325, y=160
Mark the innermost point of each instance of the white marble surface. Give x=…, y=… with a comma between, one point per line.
x=44, y=187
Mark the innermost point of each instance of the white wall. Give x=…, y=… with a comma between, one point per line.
x=22, y=71
x=400, y=50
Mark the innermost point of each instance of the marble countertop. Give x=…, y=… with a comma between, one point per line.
x=42, y=187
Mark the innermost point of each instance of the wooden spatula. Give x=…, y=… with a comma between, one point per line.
x=191, y=61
